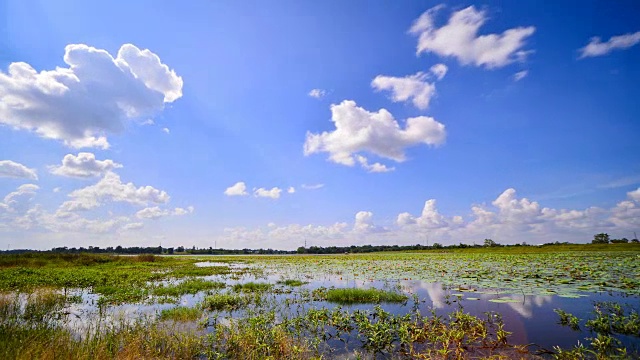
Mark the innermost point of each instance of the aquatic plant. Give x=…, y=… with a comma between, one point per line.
x=358, y=295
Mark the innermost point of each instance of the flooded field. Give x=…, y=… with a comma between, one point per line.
x=482, y=304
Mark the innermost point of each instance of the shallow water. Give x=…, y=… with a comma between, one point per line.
x=530, y=318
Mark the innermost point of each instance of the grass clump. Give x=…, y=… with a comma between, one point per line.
x=252, y=287
x=258, y=337
x=189, y=286
x=357, y=295
x=224, y=302
x=181, y=313
x=292, y=282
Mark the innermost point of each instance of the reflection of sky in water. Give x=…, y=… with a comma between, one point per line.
x=531, y=319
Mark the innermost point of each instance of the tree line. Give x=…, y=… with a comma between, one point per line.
x=601, y=238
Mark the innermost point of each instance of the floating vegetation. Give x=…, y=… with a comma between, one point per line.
x=505, y=299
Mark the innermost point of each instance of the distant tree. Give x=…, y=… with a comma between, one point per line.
x=437, y=246
x=170, y=251
x=301, y=250
x=601, y=238
x=490, y=243
x=635, y=241
x=620, y=241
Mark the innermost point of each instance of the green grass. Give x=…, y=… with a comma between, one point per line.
x=357, y=295
x=189, y=286
x=292, y=282
x=181, y=313
x=224, y=302
x=252, y=287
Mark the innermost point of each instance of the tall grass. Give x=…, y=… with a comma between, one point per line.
x=181, y=313
x=357, y=295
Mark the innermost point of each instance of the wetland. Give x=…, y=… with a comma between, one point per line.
x=579, y=302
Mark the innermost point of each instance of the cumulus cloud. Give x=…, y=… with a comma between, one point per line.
x=358, y=130
x=237, y=189
x=166, y=131
x=273, y=193
x=111, y=189
x=507, y=219
x=317, y=93
x=156, y=212
x=596, y=47
x=363, y=222
x=375, y=167
x=430, y=217
x=83, y=165
x=412, y=87
x=520, y=75
x=93, y=97
x=459, y=39
x=13, y=169
x=291, y=190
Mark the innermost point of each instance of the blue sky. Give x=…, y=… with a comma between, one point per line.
x=265, y=124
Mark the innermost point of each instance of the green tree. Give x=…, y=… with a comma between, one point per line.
x=490, y=243
x=601, y=238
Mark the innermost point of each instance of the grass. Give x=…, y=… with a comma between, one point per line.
x=292, y=282
x=252, y=287
x=181, y=313
x=189, y=286
x=224, y=301
x=357, y=295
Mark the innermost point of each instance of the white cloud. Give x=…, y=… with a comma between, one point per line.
x=412, y=87
x=364, y=222
x=430, y=217
x=156, y=212
x=373, y=168
x=274, y=193
x=520, y=75
x=57, y=189
x=439, y=70
x=634, y=195
x=312, y=186
x=133, y=226
x=358, y=130
x=459, y=39
x=83, y=165
x=111, y=188
x=19, y=200
x=166, y=130
x=13, y=169
x=317, y=93
x=596, y=47
x=93, y=97
x=238, y=189
x=291, y=190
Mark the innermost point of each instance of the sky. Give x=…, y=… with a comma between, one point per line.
x=273, y=124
